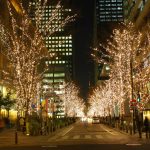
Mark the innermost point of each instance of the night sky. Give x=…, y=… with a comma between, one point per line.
x=83, y=37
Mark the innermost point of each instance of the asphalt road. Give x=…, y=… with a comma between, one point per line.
x=81, y=147
x=81, y=137
x=91, y=134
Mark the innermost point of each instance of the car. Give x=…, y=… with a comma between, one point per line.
x=95, y=120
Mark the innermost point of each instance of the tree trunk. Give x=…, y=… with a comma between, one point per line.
x=8, y=113
x=0, y=112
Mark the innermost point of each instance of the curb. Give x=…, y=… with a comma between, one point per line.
x=136, y=136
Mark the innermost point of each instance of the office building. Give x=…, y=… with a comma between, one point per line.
x=109, y=10
x=6, y=69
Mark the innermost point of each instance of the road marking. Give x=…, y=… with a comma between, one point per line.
x=87, y=137
x=65, y=137
x=53, y=138
x=4, y=137
x=67, y=131
x=109, y=131
x=99, y=136
x=134, y=144
x=53, y=146
x=76, y=137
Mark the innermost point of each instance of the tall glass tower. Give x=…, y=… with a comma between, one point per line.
x=109, y=10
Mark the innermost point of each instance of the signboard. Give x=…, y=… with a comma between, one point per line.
x=133, y=103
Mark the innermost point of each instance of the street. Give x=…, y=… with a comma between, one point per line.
x=81, y=147
x=74, y=74
x=79, y=137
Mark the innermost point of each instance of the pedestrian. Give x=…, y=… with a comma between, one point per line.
x=146, y=125
x=2, y=124
x=85, y=123
x=139, y=126
x=21, y=122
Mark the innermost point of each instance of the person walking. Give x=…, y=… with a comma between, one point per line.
x=139, y=126
x=146, y=125
x=2, y=125
x=21, y=122
x=85, y=123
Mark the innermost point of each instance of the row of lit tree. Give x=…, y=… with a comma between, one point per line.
x=120, y=54
x=73, y=104
x=24, y=47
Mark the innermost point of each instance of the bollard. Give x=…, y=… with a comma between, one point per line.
x=16, y=137
x=130, y=130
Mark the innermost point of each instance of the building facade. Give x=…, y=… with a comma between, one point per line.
x=109, y=10
x=6, y=69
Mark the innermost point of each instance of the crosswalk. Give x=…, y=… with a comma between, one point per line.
x=77, y=137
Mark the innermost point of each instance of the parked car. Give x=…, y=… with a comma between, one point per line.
x=95, y=120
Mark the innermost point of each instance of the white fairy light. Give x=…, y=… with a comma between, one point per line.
x=73, y=104
x=25, y=49
x=122, y=50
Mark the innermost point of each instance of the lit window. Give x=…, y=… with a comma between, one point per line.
x=47, y=81
x=59, y=80
x=48, y=75
x=59, y=75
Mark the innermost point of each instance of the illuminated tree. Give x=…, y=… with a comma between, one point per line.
x=1, y=102
x=101, y=101
x=142, y=71
x=73, y=104
x=122, y=50
x=25, y=48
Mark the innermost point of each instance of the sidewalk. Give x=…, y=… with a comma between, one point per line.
x=135, y=136
x=7, y=137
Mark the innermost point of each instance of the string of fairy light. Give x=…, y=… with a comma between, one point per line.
x=25, y=49
x=122, y=50
x=73, y=104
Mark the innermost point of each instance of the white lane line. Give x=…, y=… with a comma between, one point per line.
x=65, y=137
x=53, y=146
x=4, y=137
x=87, y=137
x=109, y=131
x=99, y=136
x=134, y=144
x=67, y=131
x=54, y=137
x=76, y=137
